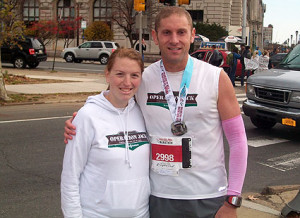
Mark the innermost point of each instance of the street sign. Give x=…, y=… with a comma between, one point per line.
x=83, y=24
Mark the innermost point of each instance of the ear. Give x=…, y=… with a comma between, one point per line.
x=193, y=35
x=154, y=36
x=107, y=76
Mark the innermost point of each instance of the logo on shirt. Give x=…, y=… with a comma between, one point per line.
x=135, y=140
x=158, y=99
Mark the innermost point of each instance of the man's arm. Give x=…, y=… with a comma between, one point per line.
x=69, y=129
x=234, y=130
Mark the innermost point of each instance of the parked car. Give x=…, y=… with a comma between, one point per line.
x=28, y=51
x=90, y=50
x=273, y=96
x=276, y=59
x=205, y=55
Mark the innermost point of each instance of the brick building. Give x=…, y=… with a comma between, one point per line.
x=227, y=13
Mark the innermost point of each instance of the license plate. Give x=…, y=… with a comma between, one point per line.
x=288, y=122
x=41, y=51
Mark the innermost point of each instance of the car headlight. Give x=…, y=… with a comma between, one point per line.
x=295, y=96
x=250, y=89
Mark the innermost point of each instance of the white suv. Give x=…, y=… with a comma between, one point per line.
x=90, y=50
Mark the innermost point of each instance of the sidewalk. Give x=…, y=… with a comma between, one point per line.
x=255, y=205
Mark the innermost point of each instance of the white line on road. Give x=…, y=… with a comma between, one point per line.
x=284, y=162
x=259, y=142
x=35, y=119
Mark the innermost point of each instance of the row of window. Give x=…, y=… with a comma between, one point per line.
x=66, y=10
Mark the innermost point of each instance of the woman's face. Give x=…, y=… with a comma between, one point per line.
x=124, y=80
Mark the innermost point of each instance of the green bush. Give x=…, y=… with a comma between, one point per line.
x=212, y=31
x=98, y=31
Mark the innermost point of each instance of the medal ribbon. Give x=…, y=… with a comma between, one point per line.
x=177, y=110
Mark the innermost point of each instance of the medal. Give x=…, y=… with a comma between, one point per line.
x=178, y=128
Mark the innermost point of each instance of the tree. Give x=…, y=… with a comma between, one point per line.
x=212, y=31
x=124, y=15
x=11, y=30
x=98, y=30
x=44, y=30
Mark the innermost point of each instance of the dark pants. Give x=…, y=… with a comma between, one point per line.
x=243, y=74
x=171, y=208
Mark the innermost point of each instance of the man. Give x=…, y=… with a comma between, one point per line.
x=188, y=176
x=215, y=57
x=144, y=47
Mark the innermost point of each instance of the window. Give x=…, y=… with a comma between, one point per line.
x=65, y=10
x=197, y=15
x=97, y=45
x=108, y=45
x=102, y=11
x=86, y=45
x=30, y=11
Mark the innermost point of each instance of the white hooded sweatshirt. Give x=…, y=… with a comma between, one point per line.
x=105, y=175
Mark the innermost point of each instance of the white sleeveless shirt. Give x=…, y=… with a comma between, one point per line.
x=207, y=177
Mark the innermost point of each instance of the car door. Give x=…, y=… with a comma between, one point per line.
x=6, y=53
x=96, y=50
x=83, y=51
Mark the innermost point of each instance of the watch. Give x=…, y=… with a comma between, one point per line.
x=234, y=200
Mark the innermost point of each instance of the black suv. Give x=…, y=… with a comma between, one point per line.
x=29, y=51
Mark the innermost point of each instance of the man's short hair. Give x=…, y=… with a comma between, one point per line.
x=166, y=12
x=213, y=46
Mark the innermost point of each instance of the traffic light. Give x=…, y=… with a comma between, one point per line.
x=140, y=5
x=168, y=2
x=184, y=2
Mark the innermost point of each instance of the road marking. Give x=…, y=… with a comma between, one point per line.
x=259, y=142
x=34, y=119
x=284, y=163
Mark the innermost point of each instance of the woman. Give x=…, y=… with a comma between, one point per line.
x=106, y=165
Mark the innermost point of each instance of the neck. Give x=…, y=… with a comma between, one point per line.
x=175, y=66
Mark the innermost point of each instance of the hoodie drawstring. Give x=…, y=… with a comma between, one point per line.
x=125, y=132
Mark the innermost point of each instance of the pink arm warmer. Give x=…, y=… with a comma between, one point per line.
x=234, y=130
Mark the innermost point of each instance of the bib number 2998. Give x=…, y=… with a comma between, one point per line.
x=165, y=157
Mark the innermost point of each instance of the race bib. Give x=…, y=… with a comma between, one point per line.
x=170, y=154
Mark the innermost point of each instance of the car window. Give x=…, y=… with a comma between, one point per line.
x=36, y=44
x=85, y=45
x=108, y=44
x=292, y=60
x=97, y=45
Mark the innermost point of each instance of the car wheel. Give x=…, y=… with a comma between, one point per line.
x=33, y=65
x=19, y=62
x=69, y=57
x=104, y=59
x=262, y=123
x=77, y=60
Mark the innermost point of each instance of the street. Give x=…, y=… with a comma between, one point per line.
x=31, y=154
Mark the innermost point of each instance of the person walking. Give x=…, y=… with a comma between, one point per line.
x=106, y=165
x=245, y=54
x=188, y=175
x=143, y=48
x=215, y=57
x=236, y=56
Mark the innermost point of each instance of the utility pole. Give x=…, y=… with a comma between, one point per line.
x=244, y=21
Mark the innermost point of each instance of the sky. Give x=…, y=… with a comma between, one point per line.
x=284, y=16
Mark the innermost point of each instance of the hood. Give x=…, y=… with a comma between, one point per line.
x=102, y=102
x=279, y=78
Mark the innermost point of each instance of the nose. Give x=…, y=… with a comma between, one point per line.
x=174, y=38
x=127, y=80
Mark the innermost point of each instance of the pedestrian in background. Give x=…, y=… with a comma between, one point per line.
x=246, y=54
x=215, y=57
x=236, y=56
x=144, y=47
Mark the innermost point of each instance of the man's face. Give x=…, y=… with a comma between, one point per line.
x=174, y=37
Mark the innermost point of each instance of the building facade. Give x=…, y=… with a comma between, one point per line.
x=227, y=13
